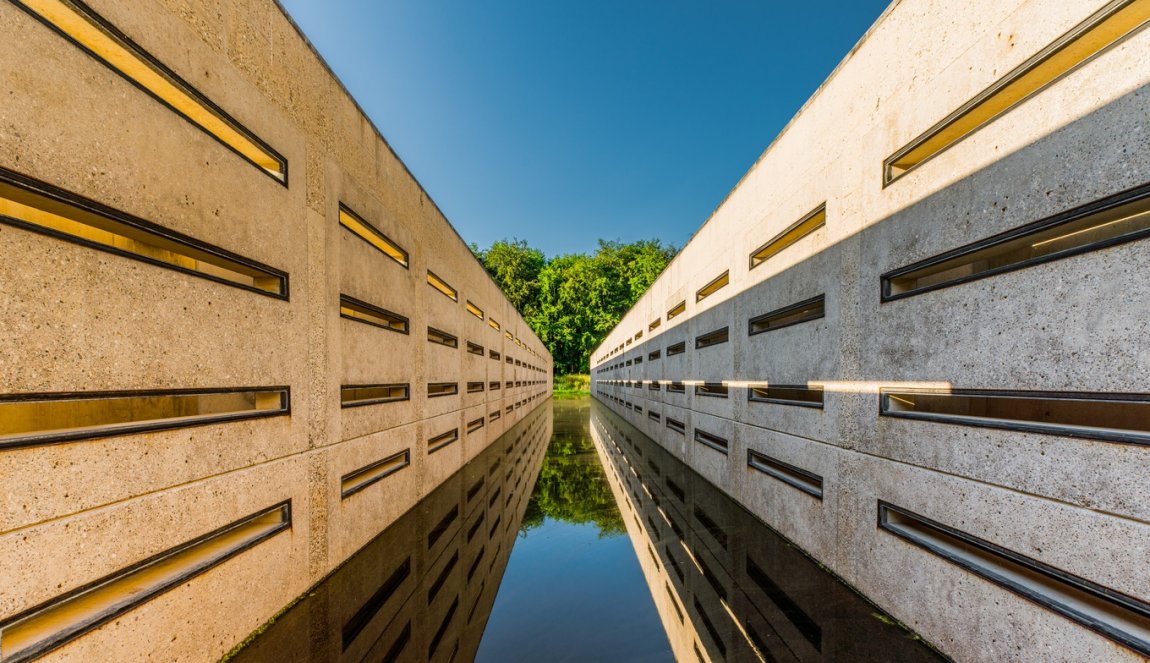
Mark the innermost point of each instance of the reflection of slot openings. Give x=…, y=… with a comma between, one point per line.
x=38, y=207
x=475, y=565
x=711, y=526
x=675, y=565
x=371, y=608
x=711, y=630
x=804, y=311
x=474, y=348
x=1114, y=417
x=474, y=425
x=717, y=337
x=353, y=482
x=786, y=395
x=494, y=496
x=442, y=338
x=1114, y=220
x=1121, y=618
x=676, y=490
x=674, y=602
x=438, y=637
x=808, y=627
x=676, y=425
x=351, y=395
x=35, y=632
x=433, y=591
x=474, y=387
x=361, y=311
x=441, y=527
x=713, y=441
x=107, y=44
x=475, y=528
x=475, y=488
x=808, y=482
x=442, y=440
x=713, y=389
x=437, y=389
x=498, y=519
x=676, y=349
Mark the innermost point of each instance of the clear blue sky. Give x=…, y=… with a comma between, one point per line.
x=561, y=122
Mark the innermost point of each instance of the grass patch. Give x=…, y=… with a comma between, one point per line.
x=575, y=384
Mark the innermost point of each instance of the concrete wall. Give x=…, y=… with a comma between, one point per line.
x=1075, y=501
x=78, y=320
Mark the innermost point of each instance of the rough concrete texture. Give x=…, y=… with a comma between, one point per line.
x=1072, y=325
x=75, y=319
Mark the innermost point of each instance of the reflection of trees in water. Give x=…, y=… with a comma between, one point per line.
x=572, y=486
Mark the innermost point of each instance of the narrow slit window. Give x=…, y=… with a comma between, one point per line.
x=717, y=337
x=45, y=418
x=796, y=477
x=653, y=386
x=474, y=348
x=676, y=388
x=474, y=310
x=494, y=355
x=1123, y=217
x=782, y=394
x=508, y=335
x=676, y=310
x=638, y=334
x=355, y=395
x=41, y=629
x=474, y=387
x=442, y=338
x=714, y=286
x=102, y=40
x=441, y=285
x=494, y=415
x=442, y=440
x=709, y=440
x=815, y=219
x=493, y=386
x=804, y=311
x=676, y=349
x=509, y=409
x=361, y=311
x=713, y=389
x=654, y=324
x=1103, y=416
x=493, y=324
x=474, y=425
x=38, y=207
x=437, y=389
x=372, y=235
x=653, y=415
x=654, y=354
x=509, y=384
x=1121, y=618
x=1102, y=30
x=353, y=482
x=676, y=425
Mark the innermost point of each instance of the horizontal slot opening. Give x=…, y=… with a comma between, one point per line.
x=442, y=440
x=1121, y=618
x=713, y=441
x=441, y=285
x=38, y=207
x=1120, y=218
x=652, y=415
x=107, y=44
x=638, y=360
x=494, y=355
x=676, y=309
x=1114, y=417
x=474, y=310
x=782, y=394
x=638, y=334
x=508, y=335
x=474, y=348
x=804, y=311
x=370, y=394
x=713, y=389
x=1100, y=31
x=372, y=235
x=493, y=324
x=494, y=386
x=509, y=409
x=676, y=388
x=361, y=311
x=714, y=286
x=442, y=338
x=803, y=622
x=676, y=425
x=474, y=425
x=356, y=481
x=509, y=384
x=654, y=354
x=808, y=482
x=437, y=389
x=509, y=360
x=474, y=387
x=373, y=605
x=43, y=628
x=717, y=337
x=654, y=324
x=653, y=386
x=494, y=415
x=639, y=409
x=815, y=219
x=676, y=349
x=32, y=419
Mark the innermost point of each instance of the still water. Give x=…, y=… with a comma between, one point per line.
x=575, y=538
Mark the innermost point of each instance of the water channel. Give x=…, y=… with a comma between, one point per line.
x=576, y=538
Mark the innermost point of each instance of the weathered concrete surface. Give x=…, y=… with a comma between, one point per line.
x=1073, y=325
x=74, y=319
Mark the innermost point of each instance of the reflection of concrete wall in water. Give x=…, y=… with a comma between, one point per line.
x=947, y=353
x=424, y=587
x=216, y=381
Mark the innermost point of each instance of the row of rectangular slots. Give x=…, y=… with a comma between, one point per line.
x=1120, y=218
x=1115, y=615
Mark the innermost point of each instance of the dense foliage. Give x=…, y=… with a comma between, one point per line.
x=572, y=301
